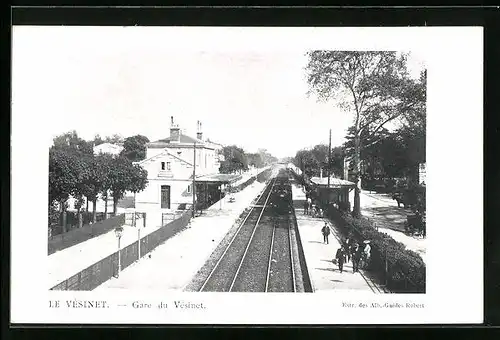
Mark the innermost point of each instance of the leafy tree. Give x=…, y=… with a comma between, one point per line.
x=234, y=160
x=70, y=141
x=337, y=161
x=134, y=148
x=63, y=176
x=115, y=139
x=255, y=159
x=96, y=179
x=373, y=85
x=125, y=176
x=308, y=164
x=267, y=158
x=98, y=140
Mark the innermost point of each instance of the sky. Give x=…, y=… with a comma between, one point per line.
x=127, y=81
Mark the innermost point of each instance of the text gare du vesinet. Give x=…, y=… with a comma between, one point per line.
x=135, y=304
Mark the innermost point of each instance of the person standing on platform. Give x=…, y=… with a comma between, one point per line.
x=306, y=205
x=340, y=257
x=356, y=257
x=325, y=231
x=348, y=248
x=367, y=252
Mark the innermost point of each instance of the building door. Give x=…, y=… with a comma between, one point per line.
x=165, y=196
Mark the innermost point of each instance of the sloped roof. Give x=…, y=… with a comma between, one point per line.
x=334, y=182
x=182, y=139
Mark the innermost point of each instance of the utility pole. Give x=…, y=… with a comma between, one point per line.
x=329, y=157
x=194, y=181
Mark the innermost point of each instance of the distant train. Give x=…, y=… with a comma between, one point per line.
x=280, y=199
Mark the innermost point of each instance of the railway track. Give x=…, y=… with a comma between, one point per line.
x=259, y=257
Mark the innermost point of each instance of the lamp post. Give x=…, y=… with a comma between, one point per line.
x=118, y=233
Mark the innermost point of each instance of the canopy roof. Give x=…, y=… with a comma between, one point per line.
x=334, y=182
x=218, y=178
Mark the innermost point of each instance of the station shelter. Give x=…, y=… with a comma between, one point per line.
x=336, y=193
x=211, y=188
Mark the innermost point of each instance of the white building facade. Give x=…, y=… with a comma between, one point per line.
x=169, y=163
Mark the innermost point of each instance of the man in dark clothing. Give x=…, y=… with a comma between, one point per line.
x=356, y=257
x=306, y=205
x=326, y=231
x=340, y=256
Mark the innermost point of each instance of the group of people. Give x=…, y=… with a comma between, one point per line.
x=350, y=250
x=311, y=208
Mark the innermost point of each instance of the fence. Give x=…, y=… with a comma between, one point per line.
x=171, y=216
x=100, y=272
x=72, y=221
x=78, y=235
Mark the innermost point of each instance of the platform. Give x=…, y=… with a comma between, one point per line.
x=173, y=264
x=325, y=275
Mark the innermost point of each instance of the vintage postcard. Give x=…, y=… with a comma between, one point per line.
x=209, y=175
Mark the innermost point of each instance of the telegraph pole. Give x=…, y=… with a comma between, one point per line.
x=194, y=180
x=329, y=157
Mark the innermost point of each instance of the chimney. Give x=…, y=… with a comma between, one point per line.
x=175, y=134
x=199, y=133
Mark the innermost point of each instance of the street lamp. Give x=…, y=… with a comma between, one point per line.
x=118, y=233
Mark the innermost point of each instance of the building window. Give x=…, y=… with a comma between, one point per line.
x=163, y=165
x=168, y=166
x=189, y=189
x=165, y=196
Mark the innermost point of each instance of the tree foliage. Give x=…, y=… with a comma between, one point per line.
x=235, y=160
x=255, y=160
x=372, y=85
x=125, y=176
x=63, y=175
x=74, y=171
x=313, y=162
x=134, y=148
x=70, y=141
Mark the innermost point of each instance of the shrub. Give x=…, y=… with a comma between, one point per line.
x=405, y=268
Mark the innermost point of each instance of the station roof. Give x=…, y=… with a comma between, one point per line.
x=218, y=178
x=334, y=182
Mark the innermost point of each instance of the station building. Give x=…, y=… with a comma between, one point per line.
x=169, y=163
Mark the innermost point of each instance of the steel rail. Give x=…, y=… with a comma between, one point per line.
x=232, y=240
x=251, y=237
x=291, y=254
x=270, y=258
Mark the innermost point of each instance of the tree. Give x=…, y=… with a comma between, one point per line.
x=267, y=158
x=307, y=163
x=63, y=176
x=234, y=160
x=373, y=86
x=96, y=180
x=255, y=159
x=125, y=176
x=72, y=142
x=115, y=139
x=98, y=140
x=337, y=161
x=134, y=148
